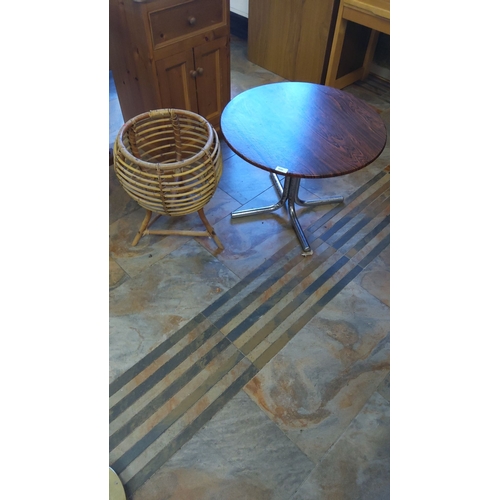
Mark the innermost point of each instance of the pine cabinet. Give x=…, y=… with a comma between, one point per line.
x=171, y=54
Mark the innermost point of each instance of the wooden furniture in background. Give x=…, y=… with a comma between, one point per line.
x=170, y=162
x=171, y=54
x=374, y=14
x=291, y=37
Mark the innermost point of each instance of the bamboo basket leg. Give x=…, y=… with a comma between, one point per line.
x=143, y=227
x=210, y=229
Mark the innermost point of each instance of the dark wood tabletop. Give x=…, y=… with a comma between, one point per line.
x=312, y=130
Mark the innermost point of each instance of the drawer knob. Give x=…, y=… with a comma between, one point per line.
x=193, y=73
x=199, y=71
x=192, y=21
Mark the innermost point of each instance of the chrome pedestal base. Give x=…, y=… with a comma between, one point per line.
x=289, y=192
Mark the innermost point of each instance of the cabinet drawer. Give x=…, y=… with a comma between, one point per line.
x=185, y=19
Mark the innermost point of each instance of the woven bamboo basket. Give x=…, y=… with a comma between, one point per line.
x=170, y=162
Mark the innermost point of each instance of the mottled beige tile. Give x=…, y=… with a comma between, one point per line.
x=148, y=308
x=384, y=389
x=249, y=241
x=375, y=279
x=255, y=448
x=357, y=467
x=116, y=274
x=239, y=454
x=316, y=385
x=242, y=180
x=199, y=472
x=150, y=248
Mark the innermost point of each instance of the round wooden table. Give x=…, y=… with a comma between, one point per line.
x=301, y=131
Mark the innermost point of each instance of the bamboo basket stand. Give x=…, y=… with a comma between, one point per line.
x=169, y=161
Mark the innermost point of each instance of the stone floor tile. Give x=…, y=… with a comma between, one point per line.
x=375, y=279
x=256, y=449
x=148, y=308
x=219, y=207
x=239, y=454
x=242, y=180
x=385, y=387
x=357, y=465
x=251, y=240
x=317, y=384
x=151, y=248
x=116, y=274
x=227, y=152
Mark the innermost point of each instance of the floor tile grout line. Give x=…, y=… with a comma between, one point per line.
x=124, y=272
x=278, y=295
x=378, y=206
x=283, y=433
x=158, y=375
x=347, y=201
x=325, y=454
x=353, y=212
x=168, y=392
x=264, y=358
x=314, y=309
x=353, y=230
x=154, y=354
x=177, y=413
x=374, y=253
x=254, y=294
x=318, y=282
x=127, y=376
x=368, y=237
x=249, y=279
x=141, y=477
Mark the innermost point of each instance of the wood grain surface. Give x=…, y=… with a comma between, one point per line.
x=312, y=130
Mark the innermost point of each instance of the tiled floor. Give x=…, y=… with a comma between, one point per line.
x=254, y=373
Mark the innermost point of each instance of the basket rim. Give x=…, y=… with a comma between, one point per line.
x=205, y=150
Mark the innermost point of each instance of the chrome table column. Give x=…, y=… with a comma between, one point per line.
x=289, y=192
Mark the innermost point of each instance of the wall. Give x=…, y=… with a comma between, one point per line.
x=239, y=7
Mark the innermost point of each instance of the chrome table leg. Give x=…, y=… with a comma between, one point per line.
x=306, y=203
x=265, y=210
x=289, y=192
x=292, y=198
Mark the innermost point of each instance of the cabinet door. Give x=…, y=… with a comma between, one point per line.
x=177, y=81
x=213, y=78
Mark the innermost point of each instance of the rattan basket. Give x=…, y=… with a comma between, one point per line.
x=170, y=162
